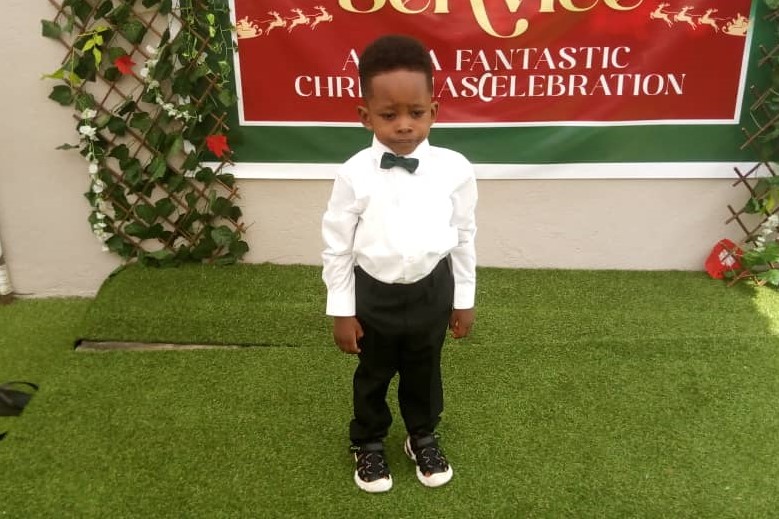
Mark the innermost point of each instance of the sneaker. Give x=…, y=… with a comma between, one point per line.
x=372, y=473
x=432, y=468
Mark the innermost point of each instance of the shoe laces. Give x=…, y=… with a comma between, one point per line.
x=371, y=464
x=430, y=459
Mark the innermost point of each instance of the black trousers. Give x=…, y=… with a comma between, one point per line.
x=405, y=327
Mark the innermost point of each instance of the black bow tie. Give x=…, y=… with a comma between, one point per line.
x=388, y=160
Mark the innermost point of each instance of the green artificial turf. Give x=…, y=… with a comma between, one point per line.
x=579, y=394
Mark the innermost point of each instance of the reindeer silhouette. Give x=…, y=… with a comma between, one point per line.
x=706, y=19
x=323, y=16
x=277, y=21
x=301, y=19
x=658, y=14
x=682, y=16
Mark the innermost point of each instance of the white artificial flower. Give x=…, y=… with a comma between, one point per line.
x=88, y=113
x=93, y=168
x=152, y=50
x=188, y=147
x=88, y=131
x=184, y=100
x=154, y=84
x=99, y=215
x=98, y=186
x=105, y=248
x=144, y=73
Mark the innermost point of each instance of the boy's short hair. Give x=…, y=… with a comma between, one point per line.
x=394, y=52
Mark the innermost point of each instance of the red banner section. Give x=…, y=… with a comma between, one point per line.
x=502, y=62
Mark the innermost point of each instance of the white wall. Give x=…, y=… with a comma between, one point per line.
x=50, y=250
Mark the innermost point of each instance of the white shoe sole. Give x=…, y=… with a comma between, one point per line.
x=374, y=487
x=433, y=480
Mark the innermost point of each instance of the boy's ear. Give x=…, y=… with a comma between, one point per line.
x=365, y=118
x=434, y=110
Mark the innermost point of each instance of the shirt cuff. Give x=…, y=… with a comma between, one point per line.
x=340, y=304
x=464, y=295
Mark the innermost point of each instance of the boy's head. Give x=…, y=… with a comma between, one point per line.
x=396, y=77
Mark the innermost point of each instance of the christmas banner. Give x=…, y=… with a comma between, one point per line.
x=519, y=82
x=502, y=62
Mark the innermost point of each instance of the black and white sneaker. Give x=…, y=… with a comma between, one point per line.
x=372, y=473
x=432, y=468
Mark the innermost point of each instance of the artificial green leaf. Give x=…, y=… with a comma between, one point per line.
x=132, y=172
x=66, y=146
x=82, y=9
x=85, y=100
x=164, y=207
x=149, y=3
x=163, y=70
x=753, y=206
x=223, y=236
x=133, y=30
x=112, y=74
x=176, y=182
x=146, y=213
x=161, y=255
x=176, y=146
x=68, y=27
x=136, y=229
x=62, y=94
x=121, y=152
x=155, y=231
x=103, y=9
x=227, y=179
x=127, y=106
x=141, y=121
x=235, y=213
x=119, y=15
x=205, y=175
x=166, y=6
x=157, y=167
x=155, y=137
x=181, y=85
x=226, y=97
x=221, y=206
x=238, y=248
x=50, y=29
x=190, y=162
x=117, y=126
x=102, y=120
x=203, y=249
x=770, y=276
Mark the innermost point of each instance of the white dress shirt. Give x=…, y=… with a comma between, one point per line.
x=397, y=226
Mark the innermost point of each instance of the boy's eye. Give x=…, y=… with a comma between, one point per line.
x=387, y=116
x=418, y=113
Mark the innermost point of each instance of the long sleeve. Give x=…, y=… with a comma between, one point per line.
x=338, y=227
x=464, y=254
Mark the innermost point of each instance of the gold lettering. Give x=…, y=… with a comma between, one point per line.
x=441, y=6
x=480, y=12
x=347, y=5
x=568, y=6
x=614, y=4
x=400, y=6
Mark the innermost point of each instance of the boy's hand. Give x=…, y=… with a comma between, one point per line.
x=460, y=322
x=346, y=332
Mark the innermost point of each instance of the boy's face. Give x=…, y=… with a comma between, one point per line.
x=399, y=110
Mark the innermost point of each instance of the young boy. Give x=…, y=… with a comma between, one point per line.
x=399, y=260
